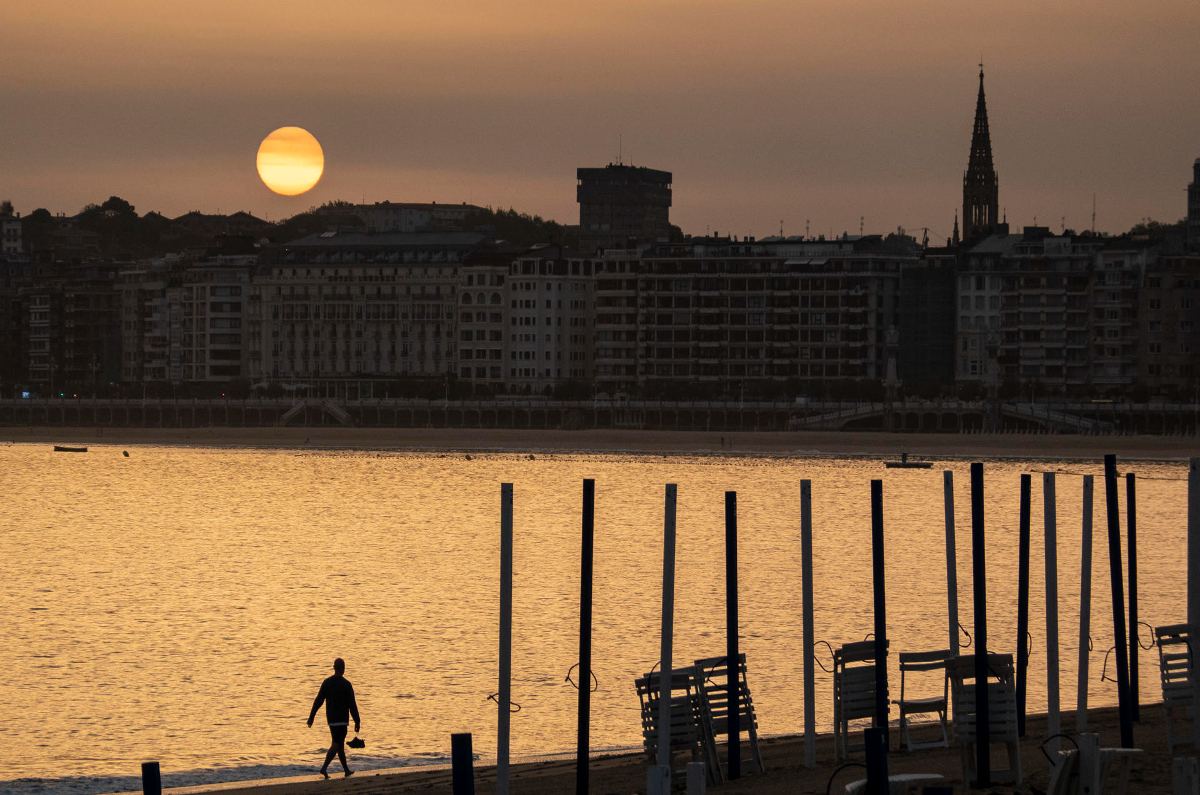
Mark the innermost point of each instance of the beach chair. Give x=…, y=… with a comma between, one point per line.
x=1092, y=769
x=1175, y=670
x=1002, y=714
x=715, y=694
x=853, y=693
x=928, y=663
x=691, y=723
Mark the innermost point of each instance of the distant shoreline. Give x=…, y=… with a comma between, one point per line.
x=797, y=444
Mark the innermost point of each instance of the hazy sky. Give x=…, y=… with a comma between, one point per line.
x=765, y=110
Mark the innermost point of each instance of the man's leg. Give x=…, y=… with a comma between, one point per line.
x=333, y=749
x=339, y=744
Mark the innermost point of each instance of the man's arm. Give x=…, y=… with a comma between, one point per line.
x=354, y=709
x=320, y=699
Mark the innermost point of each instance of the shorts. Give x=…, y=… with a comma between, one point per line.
x=338, y=733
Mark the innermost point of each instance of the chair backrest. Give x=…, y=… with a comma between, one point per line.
x=1002, y=706
x=862, y=651
x=685, y=708
x=916, y=661
x=1174, y=657
x=854, y=679
x=713, y=678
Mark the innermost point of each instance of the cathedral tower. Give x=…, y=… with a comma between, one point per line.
x=981, y=189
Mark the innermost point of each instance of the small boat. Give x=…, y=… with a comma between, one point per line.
x=904, y=463
x=59, y=448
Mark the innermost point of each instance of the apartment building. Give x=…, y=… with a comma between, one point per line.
x=340, y=306
x=550, y=311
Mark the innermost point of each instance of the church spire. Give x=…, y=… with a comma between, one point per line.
x=981, y=193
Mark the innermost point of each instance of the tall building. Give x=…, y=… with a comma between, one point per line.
x=981, y=188
x=621, y=205
x=1193, y=216
x=10, y=230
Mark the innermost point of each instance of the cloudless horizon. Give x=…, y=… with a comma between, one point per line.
x=766, y=111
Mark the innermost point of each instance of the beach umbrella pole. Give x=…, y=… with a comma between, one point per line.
x=983, y=761
x=505, y=694
x=1118, y=599
x=1131, y=534
x=731, y=637
x=1023, y=601
x=809, y=640
x=880, y=610
x=951, y=562
x=1050, y=522
x=462, y=765
x=1085, y=607
x=1193, y=577
x=583, y=735
x=659, y=782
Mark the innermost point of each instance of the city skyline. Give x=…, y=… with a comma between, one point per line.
x=457, y=104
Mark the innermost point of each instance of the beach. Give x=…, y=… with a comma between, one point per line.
x=789, y=443
x=782, y=757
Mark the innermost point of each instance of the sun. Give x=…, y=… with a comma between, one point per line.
x=290, y=161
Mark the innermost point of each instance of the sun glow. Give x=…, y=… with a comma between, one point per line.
x=290, y=161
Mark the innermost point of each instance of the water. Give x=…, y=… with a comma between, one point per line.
x=183, y=605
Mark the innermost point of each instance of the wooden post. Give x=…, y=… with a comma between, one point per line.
x=880, y=605
x=151, y=779
x=983, y=761
x=1131, y=533
x=1050, y=521
x=1023, y=601
x=504, y=696
x=1085, y=607
x=1118, y=598
x=462, y=764
x=731, y=637
x=663, y=774
x=951, y=562
x=809, y=641
x=583, y=734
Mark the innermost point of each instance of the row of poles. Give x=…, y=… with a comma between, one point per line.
x=1125, y=635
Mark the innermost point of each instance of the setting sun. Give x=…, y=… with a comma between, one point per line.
x=290, y=161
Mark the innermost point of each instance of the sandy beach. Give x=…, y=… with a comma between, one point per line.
x=782, y=757
x=791, y=444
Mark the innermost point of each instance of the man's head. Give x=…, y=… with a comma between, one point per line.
x=339, y=666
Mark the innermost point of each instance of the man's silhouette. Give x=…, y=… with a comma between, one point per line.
x=338, y=695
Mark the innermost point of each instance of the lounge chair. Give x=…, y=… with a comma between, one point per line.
x=691, y=721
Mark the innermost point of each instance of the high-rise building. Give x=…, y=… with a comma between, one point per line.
x=1193, y=216
x=622, y=206
x=981, y=188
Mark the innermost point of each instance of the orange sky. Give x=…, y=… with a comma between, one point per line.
x=765, y=110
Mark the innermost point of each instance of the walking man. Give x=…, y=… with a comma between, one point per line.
x=338, y=695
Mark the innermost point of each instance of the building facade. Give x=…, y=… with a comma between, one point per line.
x=622, y=206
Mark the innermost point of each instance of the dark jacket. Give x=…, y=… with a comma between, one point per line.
x=338, y=695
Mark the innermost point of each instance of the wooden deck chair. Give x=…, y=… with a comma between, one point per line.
x=924, y=662
x=691, y=725
x=1002, y=714
x=715, y=693
x=853, y=693
x=1175, y=670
